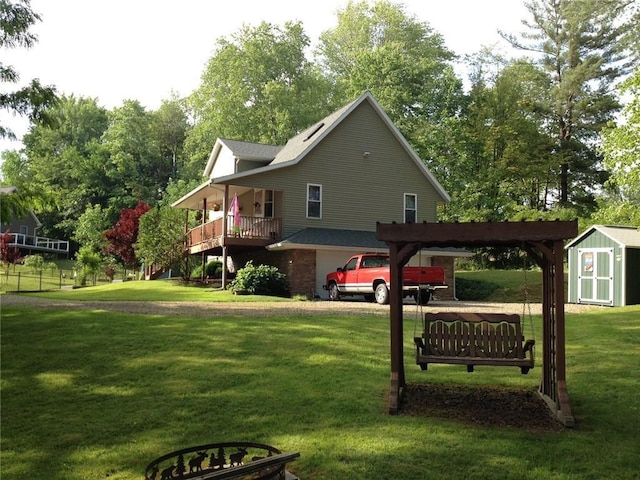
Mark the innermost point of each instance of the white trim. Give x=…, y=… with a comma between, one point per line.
x=595, y=277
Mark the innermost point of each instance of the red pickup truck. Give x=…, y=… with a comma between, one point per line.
x=368, y=274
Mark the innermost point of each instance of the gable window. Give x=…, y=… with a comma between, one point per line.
x=410, y=207
x=314, y=201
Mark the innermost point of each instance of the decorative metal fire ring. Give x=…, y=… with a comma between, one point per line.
x=204, y=461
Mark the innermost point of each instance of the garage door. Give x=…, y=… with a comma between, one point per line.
x=327, y=261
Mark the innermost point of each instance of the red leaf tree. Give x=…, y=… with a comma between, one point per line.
x=125, y=233
x=8, y=255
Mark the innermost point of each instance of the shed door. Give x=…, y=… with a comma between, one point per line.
x=595, y=279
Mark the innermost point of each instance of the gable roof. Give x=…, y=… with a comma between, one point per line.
x=624, y=236
x=297, y=147
x=241, y=150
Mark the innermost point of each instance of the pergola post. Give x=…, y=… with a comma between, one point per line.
x=396, y=332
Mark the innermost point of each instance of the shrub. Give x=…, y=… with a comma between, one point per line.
x=88, y=264
x=35, y=262
x=467, y=289
x=260, y=280
x=213, y=269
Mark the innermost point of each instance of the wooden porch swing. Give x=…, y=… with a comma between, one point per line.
x=480, y=338
x=471, y=338
x=464, y=338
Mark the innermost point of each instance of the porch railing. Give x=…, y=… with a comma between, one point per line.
x=247, y=227
x=21, y=240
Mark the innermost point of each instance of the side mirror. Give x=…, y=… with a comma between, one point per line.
x=339, y=269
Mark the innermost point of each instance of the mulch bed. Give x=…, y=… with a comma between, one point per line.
x=480, y=405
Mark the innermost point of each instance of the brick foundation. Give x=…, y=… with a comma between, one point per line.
x=447, y=263
x=298, y=265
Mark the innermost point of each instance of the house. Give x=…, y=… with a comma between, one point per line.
x=25, y=233
x=306, y=207
x=604, y=266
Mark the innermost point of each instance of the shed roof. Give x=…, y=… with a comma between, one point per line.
x=625, y=236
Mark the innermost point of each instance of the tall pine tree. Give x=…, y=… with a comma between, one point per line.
x=582, y=46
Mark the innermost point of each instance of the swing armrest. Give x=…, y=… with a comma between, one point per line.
x=419, y=343
x=528, y=345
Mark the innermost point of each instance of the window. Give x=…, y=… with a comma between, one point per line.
x=351, y=265
x=410, y=207
x=258, y=200
x=24, y=230
x=268, y=203
x=314, y=201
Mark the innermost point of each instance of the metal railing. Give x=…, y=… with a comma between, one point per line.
x=21, y=240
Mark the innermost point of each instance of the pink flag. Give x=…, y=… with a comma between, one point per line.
x=235, y=211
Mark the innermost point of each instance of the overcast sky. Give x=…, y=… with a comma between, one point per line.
x=144, y=49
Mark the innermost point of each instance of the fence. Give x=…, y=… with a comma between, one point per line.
x=48, y=279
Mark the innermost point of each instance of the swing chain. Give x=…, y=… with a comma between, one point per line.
x=527, y=301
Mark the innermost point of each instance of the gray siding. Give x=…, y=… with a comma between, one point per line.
x=357, y=191
x=28, y=221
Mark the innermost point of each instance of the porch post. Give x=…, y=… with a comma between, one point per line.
x=225, y=207
x=203, y=259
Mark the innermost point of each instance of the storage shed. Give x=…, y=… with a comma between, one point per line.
x=604, y=266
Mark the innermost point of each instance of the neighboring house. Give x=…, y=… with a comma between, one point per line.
x=308, y=206
x=25, y=233
x=604, y=266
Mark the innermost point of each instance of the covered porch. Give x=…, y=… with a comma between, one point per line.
x=253, y=223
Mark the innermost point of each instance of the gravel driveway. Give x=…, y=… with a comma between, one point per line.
x=321, y=307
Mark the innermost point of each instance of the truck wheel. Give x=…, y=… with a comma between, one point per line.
x=334, y=294
x=382, y=294
x=423, y=297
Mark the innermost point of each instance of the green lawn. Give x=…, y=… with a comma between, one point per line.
x=93, y=395
x=510, y=285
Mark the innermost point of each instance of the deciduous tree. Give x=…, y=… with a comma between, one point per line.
x=68, y=165
x=401, y=60
x=123, y=236
x=621, y=202
x=161, y=237
x=258, y=86
x=16, y=18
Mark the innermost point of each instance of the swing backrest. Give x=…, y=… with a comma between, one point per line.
x=475, y=335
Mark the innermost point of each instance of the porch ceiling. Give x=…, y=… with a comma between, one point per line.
x=211, y=192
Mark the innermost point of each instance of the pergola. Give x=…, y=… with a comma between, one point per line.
x=544, y=243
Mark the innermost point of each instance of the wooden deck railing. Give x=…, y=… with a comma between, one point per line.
x=258, y=228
